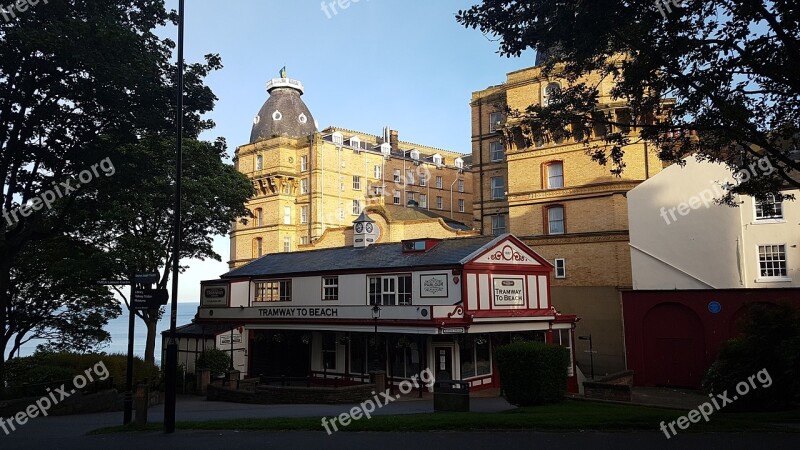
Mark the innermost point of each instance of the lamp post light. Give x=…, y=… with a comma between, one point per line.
x=376, y=314
x=591, y=352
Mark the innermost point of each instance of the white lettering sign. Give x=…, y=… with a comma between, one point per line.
x=509, y=291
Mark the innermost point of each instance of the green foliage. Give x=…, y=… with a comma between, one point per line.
x=217, y=361
x=533, y=373
x=44, y=368
x=716, y=79
x=770, y=340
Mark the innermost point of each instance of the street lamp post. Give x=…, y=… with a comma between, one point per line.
x=376, y=314
x=591, y=352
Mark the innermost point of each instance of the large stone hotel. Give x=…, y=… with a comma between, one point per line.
x=311, y=185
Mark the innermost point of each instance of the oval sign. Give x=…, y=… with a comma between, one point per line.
x=508, y=283
x=215, y=292
x=714, y=307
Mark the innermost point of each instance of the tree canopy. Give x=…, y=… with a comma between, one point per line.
x=713, y=78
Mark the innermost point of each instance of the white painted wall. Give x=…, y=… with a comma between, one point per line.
x=709, y=245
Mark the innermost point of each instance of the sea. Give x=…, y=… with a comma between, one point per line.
x=118, y=328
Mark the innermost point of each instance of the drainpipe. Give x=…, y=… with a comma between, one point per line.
x=480, y=155
x=451, y=195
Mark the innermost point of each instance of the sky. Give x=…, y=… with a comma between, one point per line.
x=404, y=64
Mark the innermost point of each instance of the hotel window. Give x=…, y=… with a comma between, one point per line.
x=258, y=247
x=356, y=183
x=459, y=163
x=769, y=209
x=378, y=170
x=439, y=182
x=274, y=291
x=498, y=188
x=304, y=214
x=390, y=290
x=423, y=201
x=551, y=90
x=410, y=176
x=304, y=186
x=259, y=217
x=356, y=207
x=287, y=215
x=439, y=202
x=303, y=163
x=555, y=220
x=355, y=142
x=330, y=288
x=378, y=191
x=338, y=138
x=396, y=198
x=772, y=262
x=423, y=180
x=564, y=339
x=555, y=174
x=461, y=205
x=495, y=121
x=304, y=240
x=437, y=159
x=498, y=225
x=475, y=357
x=287, y=244
x=396, y=175
x=259, y=162
x=460, y=185
x=497, y=151
x=561, y=268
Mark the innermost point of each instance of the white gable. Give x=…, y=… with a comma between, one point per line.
x=506, y=252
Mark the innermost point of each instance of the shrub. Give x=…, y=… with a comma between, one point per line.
x=533, y=373
x=770, y=340
x=217, y=361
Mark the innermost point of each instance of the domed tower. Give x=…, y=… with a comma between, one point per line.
x=284, y=113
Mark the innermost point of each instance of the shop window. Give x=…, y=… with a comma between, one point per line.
x=476, y=357
x=329, y=351
x=406, y=359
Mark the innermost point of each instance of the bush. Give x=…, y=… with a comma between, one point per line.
x=533, y=373
x=217, y=361
x=770, y=340
x=46, y=368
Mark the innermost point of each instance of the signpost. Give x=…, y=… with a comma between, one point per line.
x=141, y=298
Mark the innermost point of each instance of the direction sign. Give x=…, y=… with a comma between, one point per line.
x=113, y=282
x=149, y=298
x=146, y=278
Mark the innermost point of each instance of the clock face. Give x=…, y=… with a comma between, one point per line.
x=359, y=227
x=369, y=228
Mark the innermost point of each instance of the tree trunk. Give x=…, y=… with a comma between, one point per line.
x=5, y=302
x=151, y=321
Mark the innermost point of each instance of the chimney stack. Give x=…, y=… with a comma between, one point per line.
x=394, y=140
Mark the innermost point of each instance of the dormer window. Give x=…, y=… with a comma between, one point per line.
x=437, y=159
x=414, y=155
x=419, y=245
x=459, y=163
x=386, y=149
x=355, y=142
x=338, y=138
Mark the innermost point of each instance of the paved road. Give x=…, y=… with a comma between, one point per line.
x=69, y=432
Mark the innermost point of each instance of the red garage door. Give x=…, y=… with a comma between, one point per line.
x=674, y=346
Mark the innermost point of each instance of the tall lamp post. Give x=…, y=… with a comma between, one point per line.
x=591, y=352
x=376, y=314
x=171, y=384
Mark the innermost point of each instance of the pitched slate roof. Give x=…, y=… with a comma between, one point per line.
x=449, y=252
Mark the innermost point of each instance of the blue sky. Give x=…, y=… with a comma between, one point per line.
x=404, y=64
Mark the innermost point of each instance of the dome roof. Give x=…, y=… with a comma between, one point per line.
x=284, y=113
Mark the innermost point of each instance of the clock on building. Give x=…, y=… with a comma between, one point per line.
x=369, y=228
x=360, y=227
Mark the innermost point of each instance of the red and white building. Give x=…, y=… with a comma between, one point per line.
x=442, y=304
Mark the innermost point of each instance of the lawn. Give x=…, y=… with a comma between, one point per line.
x=570, y=415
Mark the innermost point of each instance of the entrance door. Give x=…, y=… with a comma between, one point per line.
x=443, y=362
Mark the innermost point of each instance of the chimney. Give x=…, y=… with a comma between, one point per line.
x=394, y=140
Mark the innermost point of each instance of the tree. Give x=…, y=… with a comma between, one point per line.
x=56, y=299
x=717, y=79
x=78, y=80
x=135, y=225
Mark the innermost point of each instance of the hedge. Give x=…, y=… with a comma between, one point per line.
x=533, y=373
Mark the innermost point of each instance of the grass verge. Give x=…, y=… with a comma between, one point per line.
x=570, y=415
